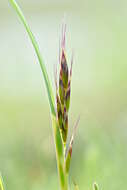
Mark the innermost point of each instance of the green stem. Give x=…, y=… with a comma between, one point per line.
x=63, y=177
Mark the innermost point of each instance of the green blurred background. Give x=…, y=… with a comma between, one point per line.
x=97, y=32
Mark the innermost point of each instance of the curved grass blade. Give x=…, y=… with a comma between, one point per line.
x=95, y=186
x=1, y=183
x=36, y=47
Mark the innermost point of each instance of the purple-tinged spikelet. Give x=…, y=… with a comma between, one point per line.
x=59, y=111
x=68, y=92
x=63, y=90
x=64, y=70
x=69, y=152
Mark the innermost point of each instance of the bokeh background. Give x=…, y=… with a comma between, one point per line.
x=97, y=33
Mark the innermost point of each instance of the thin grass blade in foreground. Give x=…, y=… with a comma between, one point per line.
x=95, y=186
x=1, y=183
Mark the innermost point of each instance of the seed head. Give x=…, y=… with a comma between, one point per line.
x=63, y=90
x=64, y=70
x=59, y=111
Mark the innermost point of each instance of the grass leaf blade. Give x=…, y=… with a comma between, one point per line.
x=95, y=186
x=1, y=183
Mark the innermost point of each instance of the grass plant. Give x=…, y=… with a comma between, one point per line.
x=59, y=104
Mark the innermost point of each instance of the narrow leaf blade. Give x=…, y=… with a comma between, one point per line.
x=1, y=183
x=95, y=186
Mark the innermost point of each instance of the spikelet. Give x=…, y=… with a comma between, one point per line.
x=69, y=152
x=68, y=92
x=63, y=90
x=64, y=70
